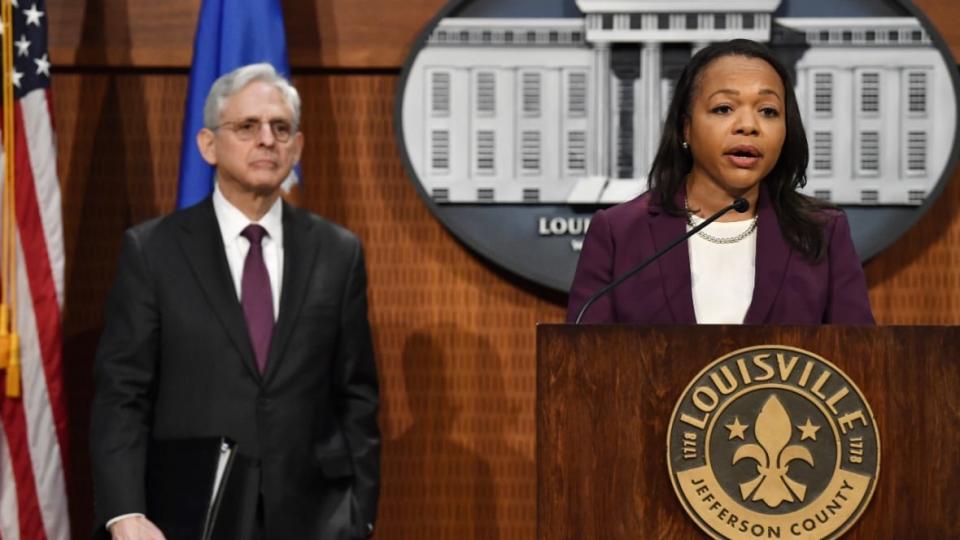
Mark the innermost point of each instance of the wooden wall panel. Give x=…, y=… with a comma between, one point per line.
x=455, y=337
x=150, y=33
x=121, y=32
x=917, y=281
x=454, y=341
x=351, y=33
x=320, y=33
x=118, y=148
x=943, y=14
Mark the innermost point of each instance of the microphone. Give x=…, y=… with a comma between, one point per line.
x=739, y=204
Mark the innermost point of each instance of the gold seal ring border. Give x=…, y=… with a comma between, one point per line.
x=767, y=386
x=876, y=430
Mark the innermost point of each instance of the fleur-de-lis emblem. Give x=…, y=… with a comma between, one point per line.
x=773, y=457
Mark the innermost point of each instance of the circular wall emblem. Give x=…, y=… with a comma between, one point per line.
x=773, y=442
x=518, y=120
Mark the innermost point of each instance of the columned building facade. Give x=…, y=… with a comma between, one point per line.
x=878, y=107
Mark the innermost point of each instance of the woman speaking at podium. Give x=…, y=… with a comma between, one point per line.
x=733, y=131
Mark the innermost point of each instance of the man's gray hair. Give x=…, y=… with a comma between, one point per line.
x=235, y=81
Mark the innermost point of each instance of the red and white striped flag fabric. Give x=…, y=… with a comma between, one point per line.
x=33, y=431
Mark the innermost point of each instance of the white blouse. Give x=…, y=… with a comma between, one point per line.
x=722, y=275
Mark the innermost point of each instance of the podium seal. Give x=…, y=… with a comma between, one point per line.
x=773, y=442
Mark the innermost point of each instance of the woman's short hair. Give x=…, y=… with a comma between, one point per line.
x=238, y=79
x=799, y=216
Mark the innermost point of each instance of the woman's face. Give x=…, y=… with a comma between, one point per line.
x=736, y=126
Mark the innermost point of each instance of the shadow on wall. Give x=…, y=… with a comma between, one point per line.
x=452, y=474
x=322, y=161
x=110, y=187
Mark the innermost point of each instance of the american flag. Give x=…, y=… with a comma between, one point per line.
x=33, y=431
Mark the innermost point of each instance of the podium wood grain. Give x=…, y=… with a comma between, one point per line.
x=605, y=395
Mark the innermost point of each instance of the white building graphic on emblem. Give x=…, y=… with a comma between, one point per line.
x=569, y=111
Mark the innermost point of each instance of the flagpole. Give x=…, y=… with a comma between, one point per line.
x=9, y=342
x=6, y=18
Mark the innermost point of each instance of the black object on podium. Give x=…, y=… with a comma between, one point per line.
x=186, y=481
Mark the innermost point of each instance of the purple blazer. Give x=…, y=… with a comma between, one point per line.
x=788, y=288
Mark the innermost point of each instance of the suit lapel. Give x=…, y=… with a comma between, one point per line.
x=674, y=265
x=203, y=246
x=299, y=253
x=773, y=256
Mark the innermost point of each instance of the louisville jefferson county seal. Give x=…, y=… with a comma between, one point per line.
x=773, y=442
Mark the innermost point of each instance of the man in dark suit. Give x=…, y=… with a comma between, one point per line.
x=246, y=318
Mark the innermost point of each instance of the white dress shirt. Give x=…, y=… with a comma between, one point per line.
x=232, y=222
x=722, y=275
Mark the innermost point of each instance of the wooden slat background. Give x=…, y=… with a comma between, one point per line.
x=320, y=33
x=455, y=337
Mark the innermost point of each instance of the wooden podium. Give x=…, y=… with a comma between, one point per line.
x=605, y=396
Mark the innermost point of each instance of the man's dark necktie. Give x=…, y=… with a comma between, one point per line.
x=256, y=297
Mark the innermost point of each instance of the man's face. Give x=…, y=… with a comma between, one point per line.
x=249, y=158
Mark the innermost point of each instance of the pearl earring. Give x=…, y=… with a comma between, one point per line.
x=684, y=145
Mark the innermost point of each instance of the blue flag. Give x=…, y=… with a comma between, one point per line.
x=230, y=34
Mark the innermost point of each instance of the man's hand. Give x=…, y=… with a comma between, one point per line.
x=135, y=528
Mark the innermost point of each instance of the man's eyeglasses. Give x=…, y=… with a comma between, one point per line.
x=247, y=130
